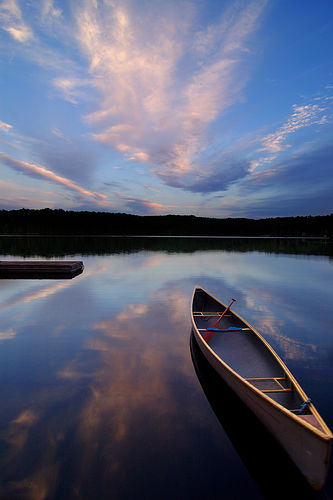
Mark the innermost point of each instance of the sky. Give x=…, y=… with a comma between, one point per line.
x=215, y=108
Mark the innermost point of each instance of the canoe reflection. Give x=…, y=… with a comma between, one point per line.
x=269, y=465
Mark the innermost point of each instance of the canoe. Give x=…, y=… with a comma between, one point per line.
x=252, y=447
x=253, y=370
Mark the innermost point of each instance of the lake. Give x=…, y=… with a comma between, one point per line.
x=105, y=396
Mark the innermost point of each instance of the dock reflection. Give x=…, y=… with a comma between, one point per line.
x=269, y=465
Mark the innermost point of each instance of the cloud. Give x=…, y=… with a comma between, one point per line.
x=211, y=178
x=142, y=206
x=49, y=10
x=306, y=171
x=68, y=161
x=157, y=83
x=58, y=133
x=152, y=188
x=301, y=185
x=302, y=116
x=152, y=81
x=40, y=34
x=12, y=137
x=12, y=202
x=71, y=87
x=164, y=81
x=42, y=172
x=12, y=22
x=22, y=196
x=5, y=127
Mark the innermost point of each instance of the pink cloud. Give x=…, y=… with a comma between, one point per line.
x=43, y=172
x=151, y=108
x=12, y=22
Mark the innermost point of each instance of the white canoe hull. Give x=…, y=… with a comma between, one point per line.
x=307, y=447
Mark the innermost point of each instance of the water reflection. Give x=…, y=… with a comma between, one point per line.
x=27, y=296
x=292, y=349
x=7, y=334
x=99, y=396
x=55, y=246
x=103, y=410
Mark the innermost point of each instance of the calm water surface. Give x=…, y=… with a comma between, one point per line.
x=102, y=395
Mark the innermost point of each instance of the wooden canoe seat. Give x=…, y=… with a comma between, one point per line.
x=210, y=314
x=269, y=384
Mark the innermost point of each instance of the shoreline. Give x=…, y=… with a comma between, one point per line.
x=324, y=238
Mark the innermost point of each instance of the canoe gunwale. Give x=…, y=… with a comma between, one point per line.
x=326, y=434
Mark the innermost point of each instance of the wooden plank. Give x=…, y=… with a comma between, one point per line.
x=13, y=269
x=267, y=384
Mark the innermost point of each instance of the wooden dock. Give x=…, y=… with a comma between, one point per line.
x=40, y=269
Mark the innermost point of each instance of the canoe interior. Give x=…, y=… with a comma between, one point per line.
x=244, y=352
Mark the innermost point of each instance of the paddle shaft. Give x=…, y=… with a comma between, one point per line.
x=214, y=325
x=208, y=335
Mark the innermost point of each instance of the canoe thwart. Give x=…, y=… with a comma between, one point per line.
x=209, y=314
x=269, y=384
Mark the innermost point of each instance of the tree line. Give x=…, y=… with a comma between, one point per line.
x=62, y=222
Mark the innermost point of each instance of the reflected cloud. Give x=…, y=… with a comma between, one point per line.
x=19, y=430
x=251, y=303
x=121, y=379
x=48, y=290
x=36, y=295
x=133, y=378
x=133, y=311
x=291, y=348
x=73, y=372
x=40, y=485
x=35, y=475
x=271, y=326
x=26, y=418
x=7, y=335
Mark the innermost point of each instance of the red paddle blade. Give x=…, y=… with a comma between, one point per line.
x=207, y=336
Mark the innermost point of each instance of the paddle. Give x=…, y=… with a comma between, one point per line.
x=208, y=335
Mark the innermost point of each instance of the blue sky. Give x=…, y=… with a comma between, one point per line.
x=212, y=108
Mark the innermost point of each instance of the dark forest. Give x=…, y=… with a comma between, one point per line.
x=61, y=222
